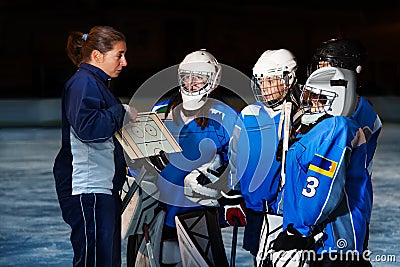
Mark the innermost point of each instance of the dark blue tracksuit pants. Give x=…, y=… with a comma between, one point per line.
x=95, y=220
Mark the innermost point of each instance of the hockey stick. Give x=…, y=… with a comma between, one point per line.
x=234, y=241
x=287, y=108
x=149, y=248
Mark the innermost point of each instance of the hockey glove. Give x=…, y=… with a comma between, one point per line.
x=201, y=185
x=234, y=206
x=292, y=239
x=237, y=212
x=290, y=248
x=159, y=161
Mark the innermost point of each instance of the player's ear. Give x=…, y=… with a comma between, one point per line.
x=97, y=56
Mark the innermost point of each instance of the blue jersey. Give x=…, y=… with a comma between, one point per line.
x=371, y=125
x=252, y=156
x=326, y=180
x=199, y=146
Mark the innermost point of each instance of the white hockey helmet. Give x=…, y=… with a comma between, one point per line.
x=329, y=90
x=274, y=65
x=199, y=73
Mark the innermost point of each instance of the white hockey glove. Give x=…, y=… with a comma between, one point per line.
x=201, y=185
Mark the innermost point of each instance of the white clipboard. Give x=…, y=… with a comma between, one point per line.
x=146, y=137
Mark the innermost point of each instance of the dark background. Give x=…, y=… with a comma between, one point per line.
x=33, y=62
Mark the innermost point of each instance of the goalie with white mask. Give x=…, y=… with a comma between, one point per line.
x=350, y=54
x=199, y=74
x=323, y=217
x=202, y=125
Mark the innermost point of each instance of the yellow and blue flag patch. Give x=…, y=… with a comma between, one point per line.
x=324, y=166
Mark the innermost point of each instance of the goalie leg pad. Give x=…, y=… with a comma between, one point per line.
x=272, y=226
x=290, y=258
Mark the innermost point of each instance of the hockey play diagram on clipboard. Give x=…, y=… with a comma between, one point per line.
x=147, y=136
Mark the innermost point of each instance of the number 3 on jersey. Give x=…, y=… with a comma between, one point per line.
x=312, y=184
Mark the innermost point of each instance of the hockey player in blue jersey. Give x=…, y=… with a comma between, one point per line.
x=254, y=169
x=351, y=54
x=326, y=176
x=202, y=126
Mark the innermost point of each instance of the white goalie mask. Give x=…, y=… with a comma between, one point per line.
x=329, y=90
x=273, y=76
x=199, y=73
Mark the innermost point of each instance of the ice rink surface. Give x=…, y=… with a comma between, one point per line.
x=32, y=232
